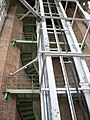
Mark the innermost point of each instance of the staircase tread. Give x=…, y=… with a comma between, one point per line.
x=27, y=113
x=23, y=103
x=28, y=100
x=29, y=117
x=25, y=108
x=31, y=70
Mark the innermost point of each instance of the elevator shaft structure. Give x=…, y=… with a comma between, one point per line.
x=55, y=12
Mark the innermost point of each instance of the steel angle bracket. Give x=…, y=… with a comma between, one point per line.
x=13, y=43
x=5, y=96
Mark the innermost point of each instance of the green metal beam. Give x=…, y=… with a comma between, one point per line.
x=14, y=42
x=34, y=42
x=6, y=94
x=17, y=91
x=24, y=41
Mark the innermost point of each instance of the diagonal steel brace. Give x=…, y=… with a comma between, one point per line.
x=25, y=3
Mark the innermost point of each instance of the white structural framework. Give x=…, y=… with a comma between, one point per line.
x=52, y=20
x=49, y=101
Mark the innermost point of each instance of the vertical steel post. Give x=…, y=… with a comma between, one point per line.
x=48, y=78
x=73, y=114
x=80, y=64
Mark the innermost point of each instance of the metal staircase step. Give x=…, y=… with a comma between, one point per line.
x=26, y=54
x=25, y=103
x=31, y=68
x=27, y=113
x=27, y=96
x=30, y=117
x=32, y=72
x=27, y=59
x=24, y=108
x=29, y=99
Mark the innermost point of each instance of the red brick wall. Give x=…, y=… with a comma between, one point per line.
x=18, y=117
x=82, y=28
x=65, y=111
x=9, y=62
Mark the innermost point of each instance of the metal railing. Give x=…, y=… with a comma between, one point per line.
x=22, y=82
x=30, y=82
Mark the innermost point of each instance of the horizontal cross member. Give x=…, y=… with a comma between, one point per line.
x=64, y=54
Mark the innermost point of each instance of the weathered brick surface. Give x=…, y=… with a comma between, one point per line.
x=65, y=111
x=7, y=110
x=82, y=28
x=17, y=115
x=9, y=62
